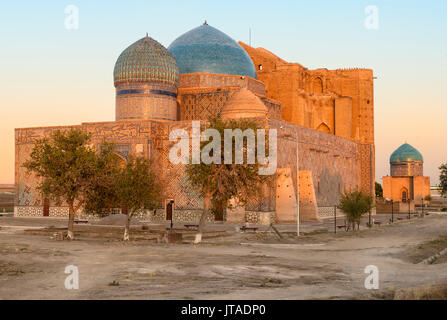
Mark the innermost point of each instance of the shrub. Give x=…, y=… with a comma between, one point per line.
x=355, y=205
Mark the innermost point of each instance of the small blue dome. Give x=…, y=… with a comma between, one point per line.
x=208, y=50
x=406, y=153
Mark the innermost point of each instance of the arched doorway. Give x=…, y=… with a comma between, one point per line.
x=169, y=209
x=404, y=195
x=46, y=207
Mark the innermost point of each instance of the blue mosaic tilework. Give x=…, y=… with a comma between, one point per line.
x=406, y=152
x=130, y=91
x=142, y=91
x=146, y=60
x=208, y=50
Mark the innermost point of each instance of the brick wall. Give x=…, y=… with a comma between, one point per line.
x=307, y=96
x=333, y=161
x=210, y=80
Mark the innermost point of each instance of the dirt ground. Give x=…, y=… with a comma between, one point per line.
x=227, y=265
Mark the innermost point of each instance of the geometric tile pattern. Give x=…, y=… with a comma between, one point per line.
x=146, y=60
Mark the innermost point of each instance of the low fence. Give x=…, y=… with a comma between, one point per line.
x=329, y=212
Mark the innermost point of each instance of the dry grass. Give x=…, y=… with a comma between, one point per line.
x=434, y=292
x=426, y=250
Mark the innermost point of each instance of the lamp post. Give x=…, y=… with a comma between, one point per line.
x=171, y=202
x=392, y=211
x=297, y=186
x=409, y=209
x=422, y=207
x=335, y=219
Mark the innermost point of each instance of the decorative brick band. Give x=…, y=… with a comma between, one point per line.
x=259, y=217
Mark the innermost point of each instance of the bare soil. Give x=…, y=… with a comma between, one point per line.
x=227, y=265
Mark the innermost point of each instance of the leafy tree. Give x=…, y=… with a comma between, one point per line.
x=101, y=197
x=136, y=188
x=443, y=179
x=355, y=205
x=379, y=190
x=65, y=165
x=219, y=183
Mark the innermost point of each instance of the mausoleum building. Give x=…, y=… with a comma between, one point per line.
x=324, y=121
x=406, y=181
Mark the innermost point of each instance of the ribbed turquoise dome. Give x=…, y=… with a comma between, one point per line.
x=146, y=60
x=208, y=50
x=406, y=153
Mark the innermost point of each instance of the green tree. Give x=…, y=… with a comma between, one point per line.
x=65, y=165
x=379, y=190
x=219, y=183
x=136, y=188
x=355, y=205
x=101, y=197
x=443, y=179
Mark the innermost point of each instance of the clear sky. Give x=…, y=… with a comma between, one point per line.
x=54, y=76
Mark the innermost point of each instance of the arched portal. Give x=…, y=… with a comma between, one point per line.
x=404, y=195
x=317, y=86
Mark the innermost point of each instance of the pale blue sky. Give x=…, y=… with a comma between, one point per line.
x=53, y=76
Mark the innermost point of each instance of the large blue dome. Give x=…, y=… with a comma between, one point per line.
x=208, y=50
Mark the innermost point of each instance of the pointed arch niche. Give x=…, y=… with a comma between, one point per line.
x=323, y=127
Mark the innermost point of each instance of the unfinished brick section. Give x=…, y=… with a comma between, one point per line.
x=339, y=102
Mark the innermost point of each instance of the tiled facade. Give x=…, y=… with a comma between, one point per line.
x=141, y=100
x=405, y=169
x=330, y=159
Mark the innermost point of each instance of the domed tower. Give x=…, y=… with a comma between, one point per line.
x=146, y=78
x=406, y=161
x=407, y=182
x=208, y=50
